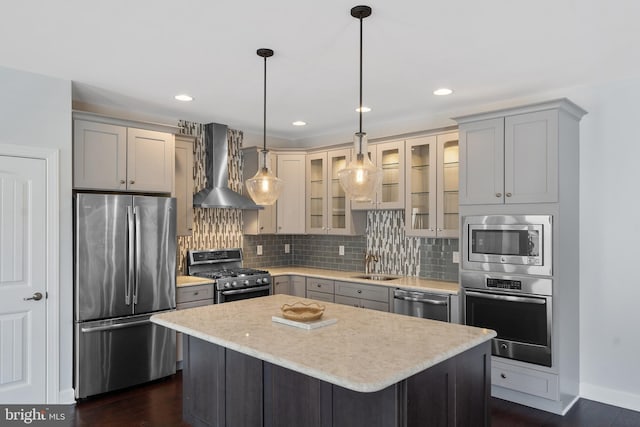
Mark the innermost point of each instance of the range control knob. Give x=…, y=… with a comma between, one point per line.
x=227, y=285
x=258, y=281
x=265, y=280
x=234, y=284
x=245, y=283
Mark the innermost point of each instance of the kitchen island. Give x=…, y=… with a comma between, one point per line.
x=367, y=369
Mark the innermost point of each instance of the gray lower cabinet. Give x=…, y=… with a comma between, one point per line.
x=189, y=297
x=320, y=289
x=290, y=285
x=222, y=387
x=362, y=295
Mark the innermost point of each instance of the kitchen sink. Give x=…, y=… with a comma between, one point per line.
x=375, y=277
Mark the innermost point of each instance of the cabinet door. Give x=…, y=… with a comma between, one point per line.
x=316, y=205
x=338, y=206
x=281, y=285
x=421, y=182
x=531, y=157
x=183, y=188
x=150, y=160
x=290, y=205
x=448, y=218
x=298, y=286
x=390, y=158
x=365, y=206
x=482, y=162
x=99, y=156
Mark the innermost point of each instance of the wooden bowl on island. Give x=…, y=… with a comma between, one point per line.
x=302, y=312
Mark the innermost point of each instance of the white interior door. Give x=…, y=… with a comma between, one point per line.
x=23, y=257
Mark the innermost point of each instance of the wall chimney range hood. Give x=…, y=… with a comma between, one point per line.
x=217, y=193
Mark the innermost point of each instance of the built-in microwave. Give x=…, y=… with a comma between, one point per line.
x=508, y=243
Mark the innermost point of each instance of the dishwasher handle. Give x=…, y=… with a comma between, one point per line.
x=419, y=297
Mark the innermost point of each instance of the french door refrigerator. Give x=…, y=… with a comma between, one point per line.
x=125, y=271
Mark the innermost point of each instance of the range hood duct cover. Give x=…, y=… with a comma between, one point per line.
x=217, y=193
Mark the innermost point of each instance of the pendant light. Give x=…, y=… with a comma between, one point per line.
x=264, y=188
x=360, y=178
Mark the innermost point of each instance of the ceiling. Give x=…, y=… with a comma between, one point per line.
x=136, y=55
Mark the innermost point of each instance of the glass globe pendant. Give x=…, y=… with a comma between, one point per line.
x=361, y=178
x=264, y=187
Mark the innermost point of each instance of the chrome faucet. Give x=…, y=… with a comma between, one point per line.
x=368, y=259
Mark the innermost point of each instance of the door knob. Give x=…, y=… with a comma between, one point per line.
x=36, y=297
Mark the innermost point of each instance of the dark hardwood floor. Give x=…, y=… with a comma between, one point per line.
x=159, y=404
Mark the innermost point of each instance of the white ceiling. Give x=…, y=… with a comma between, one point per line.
x=135, y=55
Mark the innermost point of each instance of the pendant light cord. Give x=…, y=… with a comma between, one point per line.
x=264, y=107
x=360, y=106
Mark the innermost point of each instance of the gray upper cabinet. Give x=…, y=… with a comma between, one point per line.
x=183, y=184
x=510, y=159
x=118, y=158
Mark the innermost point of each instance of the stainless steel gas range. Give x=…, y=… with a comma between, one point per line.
x=232, y=281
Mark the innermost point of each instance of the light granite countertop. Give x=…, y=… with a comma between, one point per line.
x=407, y=282
x=364, y=351
x=191, y=281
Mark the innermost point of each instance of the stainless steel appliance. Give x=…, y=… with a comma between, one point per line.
x=518, y=308
x=518, y=244
x=125, y=271
x=421, y=304
x=233, y=282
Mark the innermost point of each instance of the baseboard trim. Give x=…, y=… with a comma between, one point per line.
x=67, y=397
x=610, y=396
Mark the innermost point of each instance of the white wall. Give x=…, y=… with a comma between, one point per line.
x=36, y=110
x=609, y=235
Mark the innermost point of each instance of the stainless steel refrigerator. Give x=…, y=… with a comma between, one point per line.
x=125, y=271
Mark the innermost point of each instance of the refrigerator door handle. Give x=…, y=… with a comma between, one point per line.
x=130, y=259
x=138, y=254
x=114, y=326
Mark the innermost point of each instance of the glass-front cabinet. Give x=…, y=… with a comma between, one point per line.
x=390, y=195
x=328, y=209
x=432, y=186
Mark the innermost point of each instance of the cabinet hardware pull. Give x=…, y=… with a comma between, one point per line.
x=359, y=291
x=503, y=376
x=122, y=181
x=132, y=182
x=498, y=194
x=508, y=194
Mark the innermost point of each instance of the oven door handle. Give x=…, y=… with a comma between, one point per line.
x=507, y=297
x=246, y=290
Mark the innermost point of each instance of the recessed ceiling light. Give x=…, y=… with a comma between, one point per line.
x=364, y=109
x=183, y=97
x=442, y=91
x=299, y=123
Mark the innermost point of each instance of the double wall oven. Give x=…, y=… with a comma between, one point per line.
x=507, y=283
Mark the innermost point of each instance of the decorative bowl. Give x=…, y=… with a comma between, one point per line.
x=302, y=312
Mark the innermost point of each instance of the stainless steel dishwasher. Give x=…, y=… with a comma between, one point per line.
x=421, y=304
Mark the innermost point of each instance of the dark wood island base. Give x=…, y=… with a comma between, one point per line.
x=222, y=387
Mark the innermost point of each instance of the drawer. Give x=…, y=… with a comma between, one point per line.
x=354, y=302
x=360, y=290
x=320, y=285
x=194, y=293
x=320, y=296
x=191, y=304
x=362, y=303
x=525, y=380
